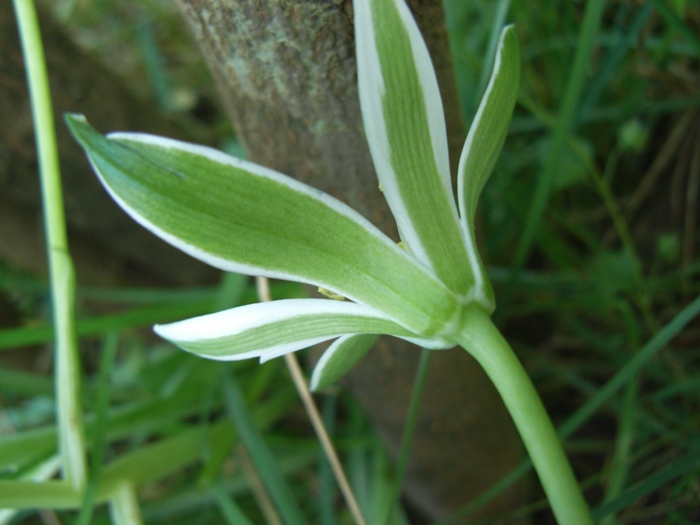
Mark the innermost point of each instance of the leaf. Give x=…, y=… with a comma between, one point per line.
x=405, y=127
x=482, y=148
x=241, y=217
x=490, y=126
x=339, y=358
x=268, y=330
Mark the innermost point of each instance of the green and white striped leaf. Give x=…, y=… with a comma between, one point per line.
x=482, y=147
x=268, y=330
x=339, y=358
x=241, y=217
x=490, y=126
x=405, y=127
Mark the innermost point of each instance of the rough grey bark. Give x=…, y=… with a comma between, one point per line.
x=286, y=74
x=114, y=245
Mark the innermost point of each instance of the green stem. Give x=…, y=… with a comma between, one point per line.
x=485, y=343
x=99, y=441
x=409, y=429
x=70, y=422
x=124, y=506
x=619, y=468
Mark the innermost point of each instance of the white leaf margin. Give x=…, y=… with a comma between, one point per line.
x=271, y=315
x=339, y=345
x=467, y=215
x=371, y=90
x=254, y=170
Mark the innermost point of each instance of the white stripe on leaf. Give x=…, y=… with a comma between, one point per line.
x=271, y=329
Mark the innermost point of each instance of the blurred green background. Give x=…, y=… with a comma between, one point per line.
x=589, y=226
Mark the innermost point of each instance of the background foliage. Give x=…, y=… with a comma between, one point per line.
x=589, y=226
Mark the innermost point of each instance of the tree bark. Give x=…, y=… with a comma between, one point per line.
x=287, y=77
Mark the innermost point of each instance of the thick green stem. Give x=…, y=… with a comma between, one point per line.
x=482, y=340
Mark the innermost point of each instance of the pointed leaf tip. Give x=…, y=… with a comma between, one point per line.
x=490, y=126
x=271, y=329
x=339, y=358
x=482, y=148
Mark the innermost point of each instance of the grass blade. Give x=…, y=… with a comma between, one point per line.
x=260, y=455
x=231, y=512
x=564, y=124
x=99, y=442
x=407, y=437
x=684, y=465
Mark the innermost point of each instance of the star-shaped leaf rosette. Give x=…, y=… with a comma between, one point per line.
x=241, y=217
x=430, y=289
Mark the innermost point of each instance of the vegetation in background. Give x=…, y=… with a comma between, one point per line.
x=599, y=303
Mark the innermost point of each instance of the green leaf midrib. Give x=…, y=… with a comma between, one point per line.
x=352, y=262
x=432, y=212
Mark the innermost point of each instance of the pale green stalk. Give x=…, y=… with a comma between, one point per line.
x=62, y=274
x=124, y=506
x=485, y=343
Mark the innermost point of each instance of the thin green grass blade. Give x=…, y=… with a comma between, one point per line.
x=613, y=61
x=674, y=21
x=357, y=465
x=624, y=441
x=381, y=486
x=133, y=318
x=509, y=479
x=99, y=440
x=22, y=383
x=43, y=495
x=183, y=502
x=44, y=471
x=230, y=510
x=407, y=438
x=260, y=454
x=631, y=368
x=499, y=21
x=152, y=462
x=686, y=465
x=153, y=62
x=231, y=290
x=563, y=127
x=16, y=450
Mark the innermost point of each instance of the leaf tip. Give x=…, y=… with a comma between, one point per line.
x=161, y=330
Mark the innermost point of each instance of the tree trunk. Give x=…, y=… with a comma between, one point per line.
x=286, y=74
